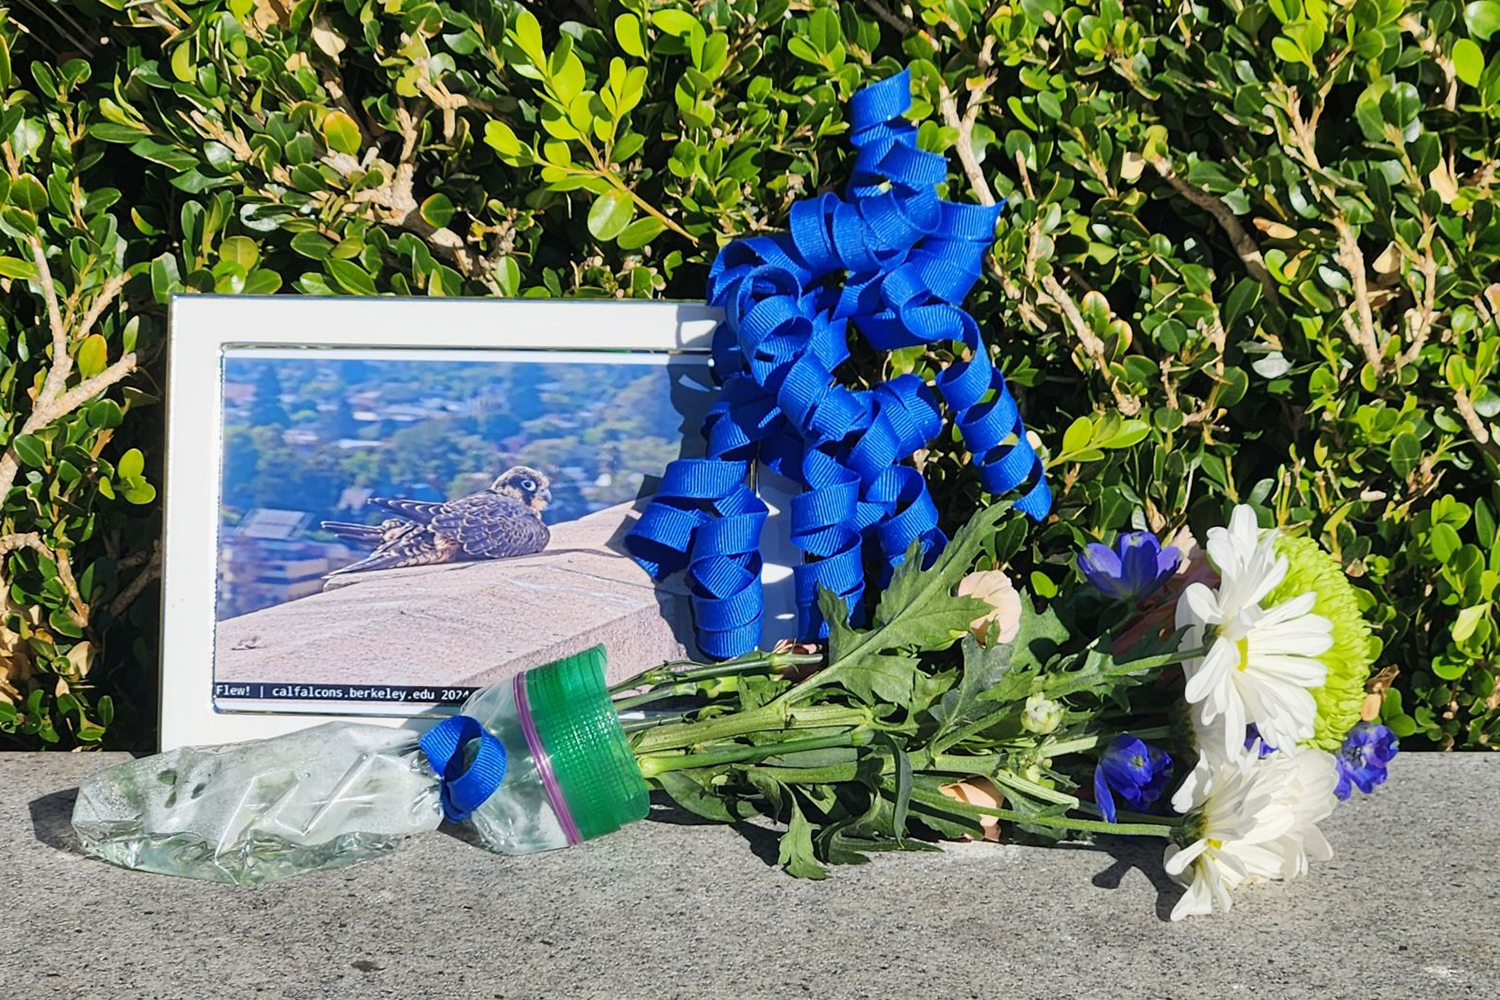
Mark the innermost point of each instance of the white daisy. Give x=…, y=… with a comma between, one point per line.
x=1262, y=663
x=1258, y=821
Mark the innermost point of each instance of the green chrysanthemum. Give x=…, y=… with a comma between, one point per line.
x=1348, y=659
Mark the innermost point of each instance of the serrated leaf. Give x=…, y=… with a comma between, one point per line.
x=692, y=795
x=796, y=853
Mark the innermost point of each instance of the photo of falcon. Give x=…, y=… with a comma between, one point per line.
x=501, y=522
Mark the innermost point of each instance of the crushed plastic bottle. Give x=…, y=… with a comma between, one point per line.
x=249, y=813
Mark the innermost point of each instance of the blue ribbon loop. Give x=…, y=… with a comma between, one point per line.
x=893, y=262
x=464, y=789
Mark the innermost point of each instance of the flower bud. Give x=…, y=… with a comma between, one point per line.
x=1042, y=715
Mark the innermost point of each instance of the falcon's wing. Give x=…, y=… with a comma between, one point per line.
x=409, y=545
x=492, y=526
x=365, y=534
x=419, y=511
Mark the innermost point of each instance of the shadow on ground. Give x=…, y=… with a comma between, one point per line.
x=51, y=820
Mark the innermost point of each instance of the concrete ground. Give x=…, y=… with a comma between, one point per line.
x=668, y=909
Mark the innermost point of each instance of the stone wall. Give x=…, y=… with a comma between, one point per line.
x=467, y=624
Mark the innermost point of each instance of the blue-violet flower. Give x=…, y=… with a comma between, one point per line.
x=1135, y=771
x=1135, y=568
x=1362, y=760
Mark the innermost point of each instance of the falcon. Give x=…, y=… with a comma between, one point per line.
x=501, y=522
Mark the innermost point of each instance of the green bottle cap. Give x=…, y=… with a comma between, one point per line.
x=590, y=755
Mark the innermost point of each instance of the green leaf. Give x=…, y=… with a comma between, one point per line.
x=1128, y=433
x=240, y=250
x=131, y=464
x=527, y=33
x=902, y=803
x=1406, y=454
x=1468, y=621
x=502, y=138
x=105, y=413
x=610, y=214
x=1483, y=18
x=312, y=245
x=139, y=492
x=697, y=798
x=341, y=133
x=93, y=355
x=1078, y=435
x=437, y=211
x=628, y=35
x=675, y=22
x=1468, y=61
x=350, y=276
x=30, y=450
x=15, y=267
x=796, y=853
x=639, y=233
x=261, y=282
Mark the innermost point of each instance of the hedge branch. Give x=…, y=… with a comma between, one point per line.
x=125, y=598
x=51, y=403
x=1243, y=243
x=1475, y=424
x=1353, y=261
x=884, y=13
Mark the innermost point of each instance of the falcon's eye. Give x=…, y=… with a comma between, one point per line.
x=527, y=484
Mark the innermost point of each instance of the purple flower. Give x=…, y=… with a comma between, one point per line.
x=1362, y=760
x=1135, y=568
x=1252, y=735
x=1138, y=773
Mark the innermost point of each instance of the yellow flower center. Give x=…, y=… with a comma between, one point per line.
x=1244, y=648
x=1215, y=844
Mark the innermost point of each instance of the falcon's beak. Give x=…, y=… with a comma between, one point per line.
x=543, y=498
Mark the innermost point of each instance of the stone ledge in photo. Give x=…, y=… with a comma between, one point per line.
x=468, y=624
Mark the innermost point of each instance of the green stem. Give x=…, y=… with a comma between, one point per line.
x=1064, y=684
x=748, y=663
x=656, y=694
x=977, y=726
x=1057, y=822
x=767, y=718
x=1089, y=742
x=652, y=766
x=639, y=725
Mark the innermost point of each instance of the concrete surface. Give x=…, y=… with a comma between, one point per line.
x=664, y=910
x=467, y=624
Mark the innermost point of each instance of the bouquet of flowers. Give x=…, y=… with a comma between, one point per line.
x=1213, y=700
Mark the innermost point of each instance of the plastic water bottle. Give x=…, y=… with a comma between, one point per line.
x=248, y=813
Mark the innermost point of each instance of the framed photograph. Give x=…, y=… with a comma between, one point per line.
x=375, y=506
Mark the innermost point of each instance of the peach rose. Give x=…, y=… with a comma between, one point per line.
x=979, y=792
x=995, y=589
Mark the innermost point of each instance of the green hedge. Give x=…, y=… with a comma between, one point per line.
x=1249, y=255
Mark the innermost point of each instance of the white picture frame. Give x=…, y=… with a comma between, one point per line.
x=202, y=328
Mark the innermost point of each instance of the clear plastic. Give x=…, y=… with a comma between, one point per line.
x=338, y=793
x=341, y=792
x=248, y=813
x=518, y=818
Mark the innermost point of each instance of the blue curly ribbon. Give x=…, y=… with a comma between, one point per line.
x=464, y=789
x=894, y=261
